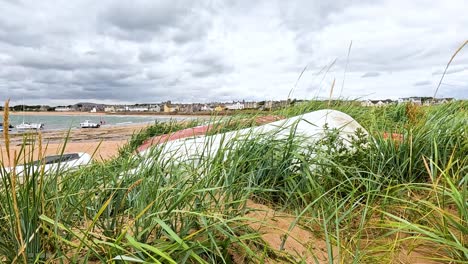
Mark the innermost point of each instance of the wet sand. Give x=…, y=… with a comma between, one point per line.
x=104, y=142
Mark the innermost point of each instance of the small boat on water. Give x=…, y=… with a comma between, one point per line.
x=30, y=126
x=89, y=124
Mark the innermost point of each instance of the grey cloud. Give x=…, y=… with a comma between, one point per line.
x=155, y=75
x=67, y=60
x=144, y=20
x=297, y=16
x=184, y=34
x=450, y=70
x=17, y=35
x=210, y=67
x=370, y=74
x=150, y=16
x=422, y=83
x=221, y=50
x=147, y=56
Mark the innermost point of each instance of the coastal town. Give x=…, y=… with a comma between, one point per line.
x=169, y=107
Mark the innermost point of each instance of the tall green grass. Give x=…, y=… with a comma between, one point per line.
x=381, y=200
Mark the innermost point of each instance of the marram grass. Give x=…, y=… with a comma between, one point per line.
x=382, y=201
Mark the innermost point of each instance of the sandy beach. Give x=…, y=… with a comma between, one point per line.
x=104, y=142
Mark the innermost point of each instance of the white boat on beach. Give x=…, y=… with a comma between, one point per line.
x=9, y=127
x=311, y=127
x=54, y=163
x=29, y=126
x=89, y=124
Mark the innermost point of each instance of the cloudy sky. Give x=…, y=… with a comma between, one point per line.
x=60, y=52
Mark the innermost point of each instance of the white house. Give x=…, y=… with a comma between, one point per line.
x=206, y=108
x=136, y=108
x=63, y=109
x=235, y=106
x=414, y=100
x=369, y=102
x=154, y=108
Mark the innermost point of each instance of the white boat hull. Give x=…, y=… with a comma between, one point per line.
x=310, y=126
x=30, y=126
x=51, y=164
x=88, y=124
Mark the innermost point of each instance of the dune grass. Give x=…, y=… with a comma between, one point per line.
x=381, y=201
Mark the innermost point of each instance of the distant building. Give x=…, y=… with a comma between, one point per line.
x=414, y=99
x=250, y=105
x=63, y=109
x=443, y=100
x=376, y=102
x=206, y=108
x=170, y=108
x=44, y=108
x=235, y=106
x=185, y=108
x=438, y=101
x=272, y=105
x=110, y=109
x=424, y=100
x=219, y=108
x=155, y=108
x=137, y=108
x=196, y=107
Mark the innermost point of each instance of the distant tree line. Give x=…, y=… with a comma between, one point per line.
x=31, y=108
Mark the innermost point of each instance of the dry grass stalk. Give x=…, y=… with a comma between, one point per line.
x=5, y=130
x=297, y=81
x=446, y=67
x=346, y=68
x=331, y=92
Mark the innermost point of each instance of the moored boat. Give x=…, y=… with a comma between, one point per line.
x=30, y=126
x=89, y=124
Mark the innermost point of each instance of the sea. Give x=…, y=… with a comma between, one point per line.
x=64, y=122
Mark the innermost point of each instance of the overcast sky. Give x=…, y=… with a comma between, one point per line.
x=60, y=52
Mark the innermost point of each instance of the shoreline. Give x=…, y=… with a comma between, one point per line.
x=76, y=113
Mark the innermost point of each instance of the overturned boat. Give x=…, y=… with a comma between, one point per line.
x=309, y=127
x=50, y=164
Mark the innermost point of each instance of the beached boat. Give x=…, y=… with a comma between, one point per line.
x=89, y=124
x=29, y=126
x=54, y=163
x=9, y=127
x=189, y=147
